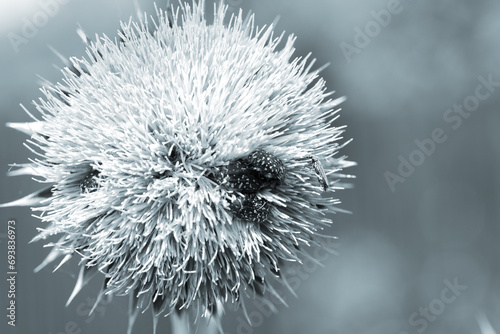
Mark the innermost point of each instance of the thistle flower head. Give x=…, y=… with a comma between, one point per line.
x=186, y=163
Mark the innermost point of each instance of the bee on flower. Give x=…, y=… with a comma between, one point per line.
x=186, y=163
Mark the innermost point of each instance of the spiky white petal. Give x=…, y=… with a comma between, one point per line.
x=129, y=141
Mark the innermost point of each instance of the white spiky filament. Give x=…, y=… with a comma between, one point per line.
x=159, y=228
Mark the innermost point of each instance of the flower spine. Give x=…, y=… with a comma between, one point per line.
x=185, y=163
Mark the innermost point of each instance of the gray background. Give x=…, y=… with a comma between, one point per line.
x=398, y=247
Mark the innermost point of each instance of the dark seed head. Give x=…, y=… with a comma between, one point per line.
x=89, y=183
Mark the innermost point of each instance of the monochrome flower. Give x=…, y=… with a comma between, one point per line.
x=186, y=163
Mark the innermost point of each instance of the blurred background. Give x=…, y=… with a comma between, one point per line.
x=418, y=254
